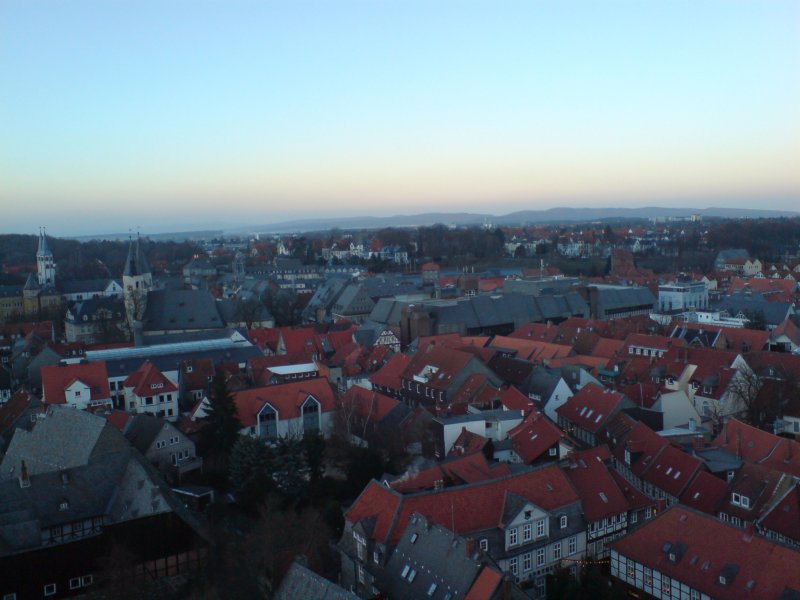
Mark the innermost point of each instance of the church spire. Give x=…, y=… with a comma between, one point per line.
x=136, y=264
x=44, y=249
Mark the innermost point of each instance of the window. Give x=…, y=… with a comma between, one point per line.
x=540, y=528
x=161, y=443
x=360, y=574
x=74, y=583
x=648, y=512
x=745, y=502
x=634, y=517
x=412, y=575
x=666, y=587
x=484, y=544
x=527, y=532
x=432, y=589
x=572, y=545
x=557, y=551
x=50, y=589
x=512, y=536
x=540, y=557
x=77, y=393
x=527, y=561
x=553, y=451
x=648, y=576
x=405, y=571
x=174, y=440
x=631, y=570
x=376, y=558
x=513, y=565
x=695, y=595
x=563, y=521
x=737, y=499
x=414, y=538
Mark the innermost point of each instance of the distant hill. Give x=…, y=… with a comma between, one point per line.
x=552, y=215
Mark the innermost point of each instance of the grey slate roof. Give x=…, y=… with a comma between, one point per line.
x=181, y=309
x=141, y=430
x=749, y=304
x=439, y=558
x=63, y=439
x=302, y=582
x=615, y=297
x=86, y=286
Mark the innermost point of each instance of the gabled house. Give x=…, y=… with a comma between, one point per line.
x=607, y=509
x=148, y=390
x=492, y=424
x=369, y=413
x=81, y=385
x=780, y=522
x=751, y=492
x=684, y=553
x=536, y=439
x=71, y=488
x=388, y=379
x=286, y=410
x=529, y=524
x=436, y=373
x=162, y=444
x=586, y=413
x=759, y=447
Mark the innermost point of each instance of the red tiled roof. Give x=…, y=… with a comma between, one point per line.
x=56, y=378
x=591, y=407
x=389, y=375
x=607, y=348
x=534, y=436
x=644, y=445
x=769, y=566
x=485, y=584
x=447, y=362
x=657, y=342
x=464, y=508
x=704, y=493
x=196, y=373
x=672, y=470
x=368, y=404
x=467, y=443
x=784, y=516
x=457, y=470
x=535, y=331
x=600, y=496
x=13, y=408
x=513, y=399
x=286, y=398
x=118, y=418
x=264, y=337
x=757, y=446
x=636, y=499
x=147, y=380
x=531, y=350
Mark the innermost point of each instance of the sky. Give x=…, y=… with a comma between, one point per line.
x=179, y=114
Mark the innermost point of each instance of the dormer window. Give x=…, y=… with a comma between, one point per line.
x=563, y=522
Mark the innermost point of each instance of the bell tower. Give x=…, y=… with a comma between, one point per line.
x=45, y=265
x=136, y=282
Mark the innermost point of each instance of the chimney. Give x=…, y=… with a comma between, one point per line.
x=738, y=444
x=692, y=424
x=469, y=547
x=24, y=480
x=698, y=443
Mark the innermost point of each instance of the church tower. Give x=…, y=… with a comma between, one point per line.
x=136, y=282
x=45, y=265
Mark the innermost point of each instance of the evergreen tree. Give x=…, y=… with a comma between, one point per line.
x=251, y=471
x=222, y=424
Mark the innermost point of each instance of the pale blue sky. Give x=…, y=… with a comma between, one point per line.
x=156, y=113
